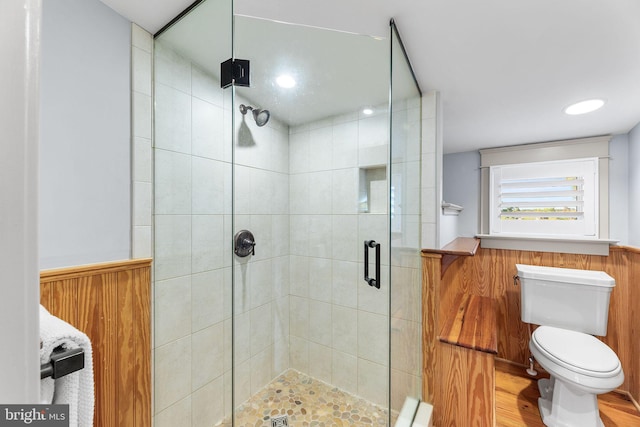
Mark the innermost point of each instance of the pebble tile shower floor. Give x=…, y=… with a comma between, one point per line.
x=307, y=402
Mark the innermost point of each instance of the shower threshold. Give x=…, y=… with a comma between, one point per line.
x=304, y=400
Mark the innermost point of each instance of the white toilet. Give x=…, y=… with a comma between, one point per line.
x=570, y=306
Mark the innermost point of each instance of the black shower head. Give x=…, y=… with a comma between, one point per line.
x=260, y=116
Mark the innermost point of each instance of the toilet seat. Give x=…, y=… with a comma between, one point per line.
x=576, y=351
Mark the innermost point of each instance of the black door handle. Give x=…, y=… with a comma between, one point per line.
x=370, y=280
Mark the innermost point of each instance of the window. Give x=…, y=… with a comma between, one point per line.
x=550, y=197
x=545, y=198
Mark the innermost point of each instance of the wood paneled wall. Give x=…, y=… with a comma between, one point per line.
x=490, y=273
x=459, y=382
x=110, y=302
x=632, y=367
x=431, y=268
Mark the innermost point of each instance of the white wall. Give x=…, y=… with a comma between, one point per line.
x=619, y=194
x=462, y=187
x=19, y=46
x=634, y=186
x=85, y=139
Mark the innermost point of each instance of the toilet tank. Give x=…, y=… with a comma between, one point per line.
x=566, y=298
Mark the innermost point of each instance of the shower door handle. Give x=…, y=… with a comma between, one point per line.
x=370, y=280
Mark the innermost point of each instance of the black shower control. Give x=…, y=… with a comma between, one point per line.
x=244, y=243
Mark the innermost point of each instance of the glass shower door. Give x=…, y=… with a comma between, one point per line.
x=296, y=172
x=311, y=336
x=192, y=220
x=405, y=228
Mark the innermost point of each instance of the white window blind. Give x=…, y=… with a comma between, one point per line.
x=545, y=198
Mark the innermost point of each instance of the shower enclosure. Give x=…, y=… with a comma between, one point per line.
x=268, y=199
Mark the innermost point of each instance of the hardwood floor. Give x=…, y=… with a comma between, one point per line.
x=517, y=401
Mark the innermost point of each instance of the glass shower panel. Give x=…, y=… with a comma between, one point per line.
x=192, y=220
x=311, y=185
x=406, y=315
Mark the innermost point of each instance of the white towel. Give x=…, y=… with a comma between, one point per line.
x=75, y=389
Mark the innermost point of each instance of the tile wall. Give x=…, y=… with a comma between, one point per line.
x=261, y=293
x=339, y=324
x=141, y=137
x=431, y=169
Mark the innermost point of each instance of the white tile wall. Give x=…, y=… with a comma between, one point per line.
x=172, y=180
x=207, y=356
x=344, y=329
x=141, y=136
x=373, y=341
x=172, y=246
x=172, y=373
x=207, y=122
x=336, y=320
x=344, y=283
x=177, y=414
x=430, y=172
x=172, y=309
x=344, y=371
x=206, y=404
x=372, y=381
x=172, y=118
x=207, y=299
x=320, y=362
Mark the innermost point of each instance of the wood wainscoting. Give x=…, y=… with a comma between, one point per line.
x=110, y=302
x=490, y=273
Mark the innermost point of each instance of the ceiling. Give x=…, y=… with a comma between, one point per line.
x=505, y=69
x=329, y=81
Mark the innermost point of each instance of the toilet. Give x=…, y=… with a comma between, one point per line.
x=570, y=306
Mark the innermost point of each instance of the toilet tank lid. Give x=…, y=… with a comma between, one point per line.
x=566, y=275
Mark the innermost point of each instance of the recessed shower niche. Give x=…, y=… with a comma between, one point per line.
x=372, y=195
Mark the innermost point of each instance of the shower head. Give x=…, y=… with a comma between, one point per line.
x=260, y=116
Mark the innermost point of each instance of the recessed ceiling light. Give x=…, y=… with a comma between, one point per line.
x=286, y=81
x=584, y=107
x=367, y=111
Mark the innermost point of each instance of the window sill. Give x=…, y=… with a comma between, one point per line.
x=547, y=244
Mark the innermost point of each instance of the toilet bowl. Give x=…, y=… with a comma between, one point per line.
x=581, y=367
x=570, y=306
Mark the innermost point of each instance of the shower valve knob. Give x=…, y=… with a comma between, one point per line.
x=250, y=243
x=244, y=244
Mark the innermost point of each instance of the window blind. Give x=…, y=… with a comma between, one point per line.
x=557, y=198
x=545, y=198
